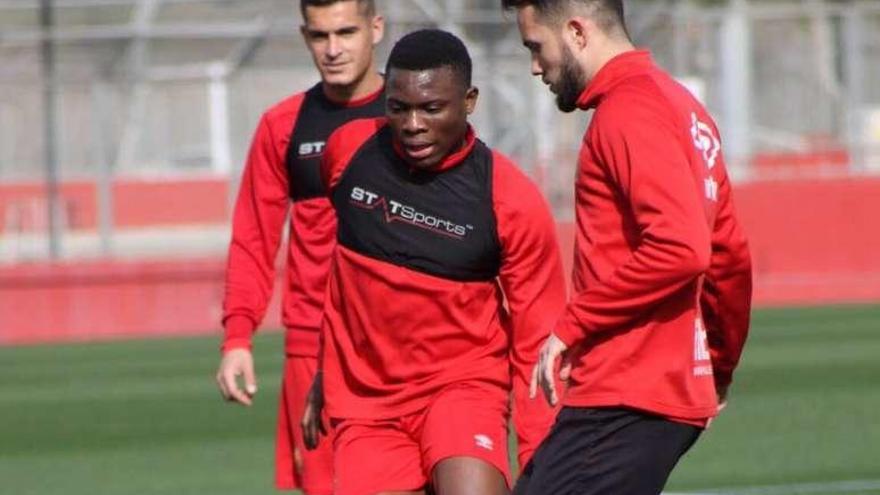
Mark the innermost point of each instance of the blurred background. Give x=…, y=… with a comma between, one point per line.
x=123, y=129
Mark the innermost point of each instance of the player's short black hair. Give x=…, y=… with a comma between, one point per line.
x=367, y=7
x=431, y=49
x=608, y=14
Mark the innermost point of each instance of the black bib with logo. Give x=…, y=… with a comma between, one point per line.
x=442, y=224
x=318, y=118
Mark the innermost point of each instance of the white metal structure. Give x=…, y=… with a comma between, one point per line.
x=170, y=87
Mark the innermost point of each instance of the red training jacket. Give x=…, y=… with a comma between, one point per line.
x=418, y=284
x=662, y=274
x=281, y=174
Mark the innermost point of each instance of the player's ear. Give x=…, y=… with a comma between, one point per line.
x=576, y=32
x=470, y=99
x=378, y=28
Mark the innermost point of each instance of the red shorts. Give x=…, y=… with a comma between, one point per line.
x=296, y=467
x=399, y=454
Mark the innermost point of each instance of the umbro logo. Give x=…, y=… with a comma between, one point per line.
x=484, y=442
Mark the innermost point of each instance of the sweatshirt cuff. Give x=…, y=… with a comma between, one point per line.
x=239, y=333
x=569, y=330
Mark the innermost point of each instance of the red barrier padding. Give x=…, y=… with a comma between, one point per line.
x=813, y=242
x=99, y=300
x=136, y=203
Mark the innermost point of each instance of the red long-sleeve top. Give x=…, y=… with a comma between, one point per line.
x=425, y=262
x=662, y=276
x=282, y=175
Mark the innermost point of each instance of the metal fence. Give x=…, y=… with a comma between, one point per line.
x=172, y=89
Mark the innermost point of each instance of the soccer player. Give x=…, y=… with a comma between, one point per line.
x=446, y=278
x=282, y=176
x=662, y=277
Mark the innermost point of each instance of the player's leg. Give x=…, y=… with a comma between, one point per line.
x=468, y=476
x=295, y=466
x=287, y=461
x=559, y=460
x=376, y=458
x=592, y=451
x=464, y=441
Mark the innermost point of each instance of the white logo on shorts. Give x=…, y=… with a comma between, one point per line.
x=484, y=442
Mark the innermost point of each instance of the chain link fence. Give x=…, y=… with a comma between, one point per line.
x=149, y=93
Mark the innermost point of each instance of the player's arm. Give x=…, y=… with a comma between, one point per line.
x=341, y=146
x=727, y=292
x=643, y=154
x=640, y=150
x=257, y=227
x=312, y=422
x=534, y=288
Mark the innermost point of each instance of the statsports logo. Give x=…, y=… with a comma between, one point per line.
x=395, y=211
x=311, y=150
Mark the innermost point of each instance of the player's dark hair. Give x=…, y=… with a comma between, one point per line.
x=431, y=49
x=366, y=7
x=608, y=14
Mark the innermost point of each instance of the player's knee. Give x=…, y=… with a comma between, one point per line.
x=468, y=476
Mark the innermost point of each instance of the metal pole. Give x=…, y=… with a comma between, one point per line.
x=49, y=131
x=854, y=70
x=218, y=119
x=101, y=111
x=736, y=94
x=680, y=48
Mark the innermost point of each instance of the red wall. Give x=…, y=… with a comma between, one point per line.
x=96, y=300
x=813, y=242
x=136, y=203
x=25, y=206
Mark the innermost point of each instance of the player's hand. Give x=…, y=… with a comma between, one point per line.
x=312, y=423
x=722, y=397
x=237, y=363
x=542, y=373
x=721, y=392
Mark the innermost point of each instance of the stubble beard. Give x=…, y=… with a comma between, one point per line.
x=572, y=82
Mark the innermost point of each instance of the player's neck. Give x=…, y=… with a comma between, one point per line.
x=370, y=83
x=608, y=51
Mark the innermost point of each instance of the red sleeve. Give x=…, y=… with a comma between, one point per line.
x=727, y=290
x=342, y=145
x=534, y=287
x=644, y=158
x=257, y=227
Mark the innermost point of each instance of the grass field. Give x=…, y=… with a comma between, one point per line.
x=143, y=417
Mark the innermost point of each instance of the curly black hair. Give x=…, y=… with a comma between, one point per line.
x=431, y=49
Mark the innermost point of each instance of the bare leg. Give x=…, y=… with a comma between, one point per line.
x=468, y=476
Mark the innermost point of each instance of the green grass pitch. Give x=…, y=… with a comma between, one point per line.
x=143, y=417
